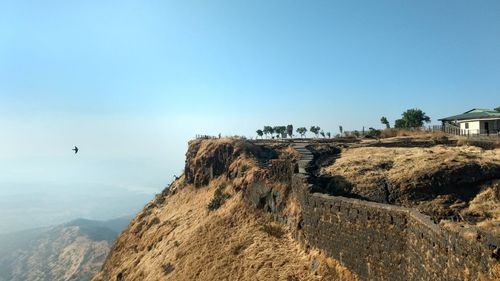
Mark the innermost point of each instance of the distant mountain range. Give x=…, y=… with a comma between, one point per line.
x=71, y=251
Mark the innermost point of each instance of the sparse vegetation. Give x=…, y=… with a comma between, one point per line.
x=219, y=198
x=287, y=131
x=374, y=133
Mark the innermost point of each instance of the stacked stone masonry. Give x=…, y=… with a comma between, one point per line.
x=387, y=242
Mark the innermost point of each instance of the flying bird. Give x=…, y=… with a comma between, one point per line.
x=75, y=149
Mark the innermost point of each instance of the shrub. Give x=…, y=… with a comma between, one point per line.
x=272, y=230
x=219, y=199
x=244, y=168
x=373, y=133
x=168, y=268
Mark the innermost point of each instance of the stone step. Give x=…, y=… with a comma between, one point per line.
x=305, y=158
x=304, y=163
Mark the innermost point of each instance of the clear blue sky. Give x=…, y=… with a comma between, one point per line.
x=131, y=81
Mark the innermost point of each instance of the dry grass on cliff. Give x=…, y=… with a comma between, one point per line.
x=290, y=153
x=366, y=166
x=486, y=205
x=245, y=171
x=393, y=132
x=181, y=240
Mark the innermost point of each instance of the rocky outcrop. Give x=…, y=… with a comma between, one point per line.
x=176, y=237
x=183, y=235
x=207, y=160
x=203, y=163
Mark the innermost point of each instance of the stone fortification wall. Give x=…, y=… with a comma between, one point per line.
x=385, y=242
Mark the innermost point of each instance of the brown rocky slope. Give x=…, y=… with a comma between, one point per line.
x=218, y=220
x=177, y=237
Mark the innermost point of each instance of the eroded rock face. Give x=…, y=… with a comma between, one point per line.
x=205, y=162
x=262, y=196
x=208, y=160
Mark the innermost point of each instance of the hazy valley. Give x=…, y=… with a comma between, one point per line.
x=71, y=251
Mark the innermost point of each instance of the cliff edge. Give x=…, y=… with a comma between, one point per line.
x=212, y=223
x=318, y=211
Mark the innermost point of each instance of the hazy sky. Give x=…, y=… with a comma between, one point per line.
x=131, y=81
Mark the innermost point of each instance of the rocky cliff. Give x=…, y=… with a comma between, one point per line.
x=251, y=211
x=205, y=226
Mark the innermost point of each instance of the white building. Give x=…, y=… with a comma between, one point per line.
x=474, y=122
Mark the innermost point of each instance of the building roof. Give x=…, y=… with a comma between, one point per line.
x=476, y=113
